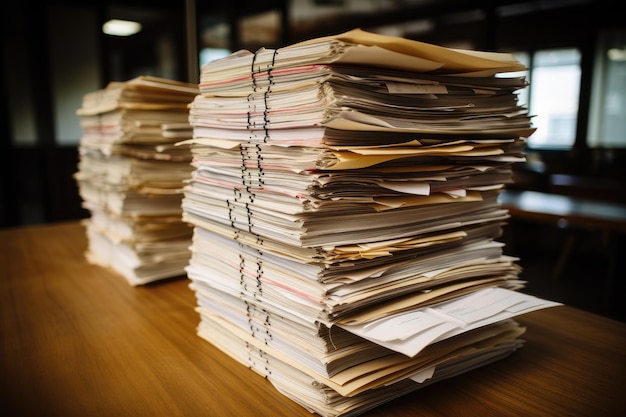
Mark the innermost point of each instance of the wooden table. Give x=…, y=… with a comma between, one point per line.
x=77, y=340
x=555, y=208
x=572, y=213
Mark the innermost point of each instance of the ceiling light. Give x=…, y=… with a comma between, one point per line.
x=117, y=27
x=617, y=54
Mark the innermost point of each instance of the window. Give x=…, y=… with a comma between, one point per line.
x=607, y=121
x=553, y=97
x=211, y=54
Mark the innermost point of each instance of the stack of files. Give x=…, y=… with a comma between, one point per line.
x=345, y=212
x=131, y=175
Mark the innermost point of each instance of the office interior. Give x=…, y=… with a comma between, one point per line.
x=56, y=52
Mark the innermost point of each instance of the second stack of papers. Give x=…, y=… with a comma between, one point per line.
x=130, y=176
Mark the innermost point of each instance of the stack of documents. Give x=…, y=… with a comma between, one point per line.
x=131, y=174
x=344, y=203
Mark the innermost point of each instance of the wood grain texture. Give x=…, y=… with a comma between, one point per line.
x=78, y=340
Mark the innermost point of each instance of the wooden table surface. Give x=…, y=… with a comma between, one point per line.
x=77, y=340
x=552, y=208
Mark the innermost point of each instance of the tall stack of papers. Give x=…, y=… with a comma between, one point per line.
x=344, y=203
x=131, y=174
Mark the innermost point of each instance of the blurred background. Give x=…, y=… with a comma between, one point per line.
x=575, y=51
